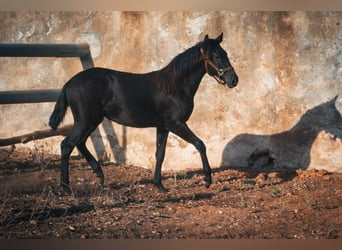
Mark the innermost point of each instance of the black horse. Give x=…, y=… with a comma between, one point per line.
x=163, y=99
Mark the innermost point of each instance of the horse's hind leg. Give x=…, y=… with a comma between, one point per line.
x=67, y=146
x=92, y=162
x=77, y=137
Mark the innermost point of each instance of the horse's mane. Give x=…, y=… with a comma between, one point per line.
x=174, y=74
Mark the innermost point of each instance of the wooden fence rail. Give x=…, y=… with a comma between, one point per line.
x=43, y=95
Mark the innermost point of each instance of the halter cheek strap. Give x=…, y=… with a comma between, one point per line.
x=219, y=71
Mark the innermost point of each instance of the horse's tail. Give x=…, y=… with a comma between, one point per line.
x=58, y=113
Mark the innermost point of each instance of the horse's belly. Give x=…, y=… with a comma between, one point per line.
x=137, y=116
x=135, y=120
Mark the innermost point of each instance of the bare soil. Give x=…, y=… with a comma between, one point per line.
x=241, y=203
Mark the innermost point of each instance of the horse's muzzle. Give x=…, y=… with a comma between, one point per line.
x=230, y=79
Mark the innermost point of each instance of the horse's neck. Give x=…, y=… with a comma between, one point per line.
x=192, y=82
x=303, y=135
x=191, y=76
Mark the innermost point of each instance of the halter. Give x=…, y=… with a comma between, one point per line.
x=219, y=71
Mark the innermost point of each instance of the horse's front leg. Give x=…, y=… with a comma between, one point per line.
x=162, y=135
x=183, y=131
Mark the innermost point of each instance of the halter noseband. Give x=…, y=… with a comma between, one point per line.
x=219, y=71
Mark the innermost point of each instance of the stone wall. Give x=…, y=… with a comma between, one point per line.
x=282, y=114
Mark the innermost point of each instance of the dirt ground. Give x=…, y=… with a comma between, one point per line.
x=247, y=204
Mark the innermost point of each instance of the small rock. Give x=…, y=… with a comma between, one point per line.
x=260, y=177
x=261, y=184
x=273, y=175
x=302, y=174
x=326, y=177
x=242, y=175
x=299, y=171
x=323, y=172
x=117, y=218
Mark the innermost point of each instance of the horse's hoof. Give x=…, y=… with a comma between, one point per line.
x=99, y=181
x=65, y=189
x=161, y=189
x=207, y=181
x=207, y=184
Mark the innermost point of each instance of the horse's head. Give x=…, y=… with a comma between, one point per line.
x=325, y=117
x=216, y=61
x=333, y=119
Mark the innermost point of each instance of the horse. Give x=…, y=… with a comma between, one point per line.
x=163, y=99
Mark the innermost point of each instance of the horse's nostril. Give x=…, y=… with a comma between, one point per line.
x=233, y=82
x=236, y=80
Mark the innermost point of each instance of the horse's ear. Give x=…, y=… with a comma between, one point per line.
x=219, y=38
x=334, y=99
x=206, y=38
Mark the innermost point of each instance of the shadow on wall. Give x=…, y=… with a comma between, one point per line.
x=289, y=149
x=118, y=151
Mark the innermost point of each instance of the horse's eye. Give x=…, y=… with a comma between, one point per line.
x=216, y=56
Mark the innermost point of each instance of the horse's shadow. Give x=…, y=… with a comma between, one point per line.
x=288, y=149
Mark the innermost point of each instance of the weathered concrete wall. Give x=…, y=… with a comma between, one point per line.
x=289, y=65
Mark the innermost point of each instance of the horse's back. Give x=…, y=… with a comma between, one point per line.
x=127, y=98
